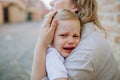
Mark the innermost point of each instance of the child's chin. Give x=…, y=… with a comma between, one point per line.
x=66, y=55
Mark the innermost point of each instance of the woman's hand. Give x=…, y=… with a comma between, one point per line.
x=47, y=29
x=46, y=35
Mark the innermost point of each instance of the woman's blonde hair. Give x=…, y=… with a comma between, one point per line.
x=87, y=12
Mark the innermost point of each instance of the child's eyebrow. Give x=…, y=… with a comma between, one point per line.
x=65, y=32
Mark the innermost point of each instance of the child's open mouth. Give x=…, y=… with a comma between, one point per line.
x=68, y=49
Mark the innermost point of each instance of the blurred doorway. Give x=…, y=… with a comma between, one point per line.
x=6, y=15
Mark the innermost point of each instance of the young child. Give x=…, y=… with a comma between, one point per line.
x=66, y=38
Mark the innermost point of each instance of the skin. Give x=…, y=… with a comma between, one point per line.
x=67, y=36
x=63, y=4
x=46, y=35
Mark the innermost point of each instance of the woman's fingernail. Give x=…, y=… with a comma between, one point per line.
x=55, y=22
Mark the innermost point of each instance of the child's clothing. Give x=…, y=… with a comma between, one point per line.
x=55, y=65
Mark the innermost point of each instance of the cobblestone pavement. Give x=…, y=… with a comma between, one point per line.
x=17, y=42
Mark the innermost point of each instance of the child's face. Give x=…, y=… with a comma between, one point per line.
x=67, y=36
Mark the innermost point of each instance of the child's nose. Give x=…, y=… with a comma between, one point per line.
x=52, y=3
x=71, y=41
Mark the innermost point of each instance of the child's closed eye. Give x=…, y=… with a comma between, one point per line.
x=76, y=36
x=63, y=35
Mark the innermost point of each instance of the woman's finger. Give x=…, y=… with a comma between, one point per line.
x=49, y=18
x=53, y=25
x=53, y=28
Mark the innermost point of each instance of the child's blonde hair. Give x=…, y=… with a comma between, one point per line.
x=64, y=14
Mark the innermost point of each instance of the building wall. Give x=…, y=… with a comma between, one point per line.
x=19, y=10
x=16, y=15
x=1, y=13
x=109, y=14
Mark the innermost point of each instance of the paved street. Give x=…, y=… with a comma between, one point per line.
x=17, y=42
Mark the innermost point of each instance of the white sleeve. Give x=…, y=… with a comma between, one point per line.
x=45, y=78
x=55, y=65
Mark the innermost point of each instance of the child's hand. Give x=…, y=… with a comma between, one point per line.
x=47, y=29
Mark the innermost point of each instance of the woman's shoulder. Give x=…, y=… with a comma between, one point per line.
x=92, y=38
x=94, y=44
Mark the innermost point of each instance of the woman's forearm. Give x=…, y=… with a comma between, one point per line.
x=46, y=34
x=38, y=68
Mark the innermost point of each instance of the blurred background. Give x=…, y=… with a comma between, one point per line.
x=19, y=26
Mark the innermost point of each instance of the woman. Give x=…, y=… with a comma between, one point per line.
x=92, y=59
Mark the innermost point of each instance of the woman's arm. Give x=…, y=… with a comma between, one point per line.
x=45, y=37
x=38, y=68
